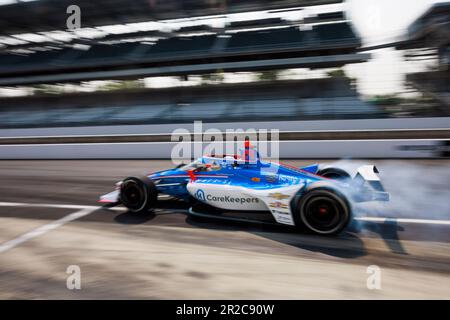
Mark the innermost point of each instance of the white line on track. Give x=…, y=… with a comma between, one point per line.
x=45, y=205
x=80, y=207
x=86, y=210
x=56, y=206
x=404, y=220
x=44, y=229
x=82, y=211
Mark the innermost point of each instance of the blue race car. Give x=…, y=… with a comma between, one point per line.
x=218, y=186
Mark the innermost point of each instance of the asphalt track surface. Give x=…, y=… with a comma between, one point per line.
x=50, y=220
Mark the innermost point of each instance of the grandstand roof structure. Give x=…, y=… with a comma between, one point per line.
x=429, y=38
x=325, y=45
x=47, y=15
x=431, y=29
x=263, y=43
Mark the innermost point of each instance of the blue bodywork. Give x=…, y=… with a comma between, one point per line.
x=256, y=175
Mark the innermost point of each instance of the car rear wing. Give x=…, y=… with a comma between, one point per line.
x=368, y=186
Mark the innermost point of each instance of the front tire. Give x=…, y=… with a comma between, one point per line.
x=323, y=211
x=138, y=195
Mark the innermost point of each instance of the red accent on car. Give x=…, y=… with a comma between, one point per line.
x=192, y=175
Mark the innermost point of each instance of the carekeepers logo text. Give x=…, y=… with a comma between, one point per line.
x=200, y=195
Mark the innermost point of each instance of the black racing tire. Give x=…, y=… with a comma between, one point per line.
x=322, y=211
x=139, y=195
x=334, y=174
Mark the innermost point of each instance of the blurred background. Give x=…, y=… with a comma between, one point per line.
x=171, y=61
x=353, y=82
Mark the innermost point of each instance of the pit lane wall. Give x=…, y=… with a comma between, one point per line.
x=428, y=138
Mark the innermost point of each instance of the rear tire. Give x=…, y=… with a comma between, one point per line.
x=323, y=211
x=139, y=195
x=334, y=174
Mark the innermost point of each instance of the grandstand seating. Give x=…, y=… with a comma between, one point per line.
x=255, y=23
x=139, y=113
x=181, y=45
x=326, y=17
x=179, y=48
x=331, y=16
x=207, y=111
x=325, y=98
x=336, y=32
x=214, y=111
x=37, y=61
x=273, y=38
x=195, y=28
x=104, y=53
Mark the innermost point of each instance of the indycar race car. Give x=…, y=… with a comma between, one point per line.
x=319, y=199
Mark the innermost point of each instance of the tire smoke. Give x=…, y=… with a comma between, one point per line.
x=417, y=190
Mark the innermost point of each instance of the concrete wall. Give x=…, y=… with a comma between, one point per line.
x=352, y=148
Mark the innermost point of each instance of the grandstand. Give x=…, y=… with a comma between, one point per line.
x=47, y=15
x=324, y=40
x=328, y=98
x=429, y=38
x=332, y=45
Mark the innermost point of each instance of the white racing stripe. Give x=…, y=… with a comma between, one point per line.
x=44, y=229
x=404, y=220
